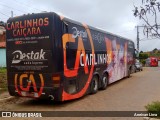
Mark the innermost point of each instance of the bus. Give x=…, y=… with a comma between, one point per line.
x=51, y=56
x=152, y=62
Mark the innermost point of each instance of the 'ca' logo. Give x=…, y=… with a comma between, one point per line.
x=29, y=79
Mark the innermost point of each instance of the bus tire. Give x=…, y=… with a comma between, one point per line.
x=104, y=81
x=129, y=73
x=94, y=85
x=135, y=69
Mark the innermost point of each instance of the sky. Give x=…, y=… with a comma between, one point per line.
x=115, y=16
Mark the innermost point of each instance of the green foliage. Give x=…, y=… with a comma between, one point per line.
x=154, y=107
x=155, y=50
x=154, y=55
x=141, y=52
x=143, y=62
x=143, y=56
x=3, y=80
x=3, y=70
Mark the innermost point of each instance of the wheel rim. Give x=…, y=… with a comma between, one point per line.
x=104, y=80
x=95, y=84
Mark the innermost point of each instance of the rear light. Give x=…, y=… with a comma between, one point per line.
x=56, y=80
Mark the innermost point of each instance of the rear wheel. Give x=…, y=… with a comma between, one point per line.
x=94, y=85
x=129, y=73
x=135, y=69
x=104, y=82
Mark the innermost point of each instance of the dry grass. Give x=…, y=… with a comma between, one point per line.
x=3, y=80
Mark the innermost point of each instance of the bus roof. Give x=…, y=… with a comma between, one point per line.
x=94, y=28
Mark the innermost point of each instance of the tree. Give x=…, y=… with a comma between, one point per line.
x=2, y=23
x=143, y=56
x=155, y=50
x=141, y=52
x=149, y=8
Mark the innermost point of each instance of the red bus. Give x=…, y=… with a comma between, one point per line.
x=49, y=56
x=152, y=62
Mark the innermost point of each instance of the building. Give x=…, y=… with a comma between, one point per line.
x=2, y=46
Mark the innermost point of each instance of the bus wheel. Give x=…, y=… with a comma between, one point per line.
x=94, y=85
x=104, y=81
x=129, y=73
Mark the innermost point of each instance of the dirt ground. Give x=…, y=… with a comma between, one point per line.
x=3, y=82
